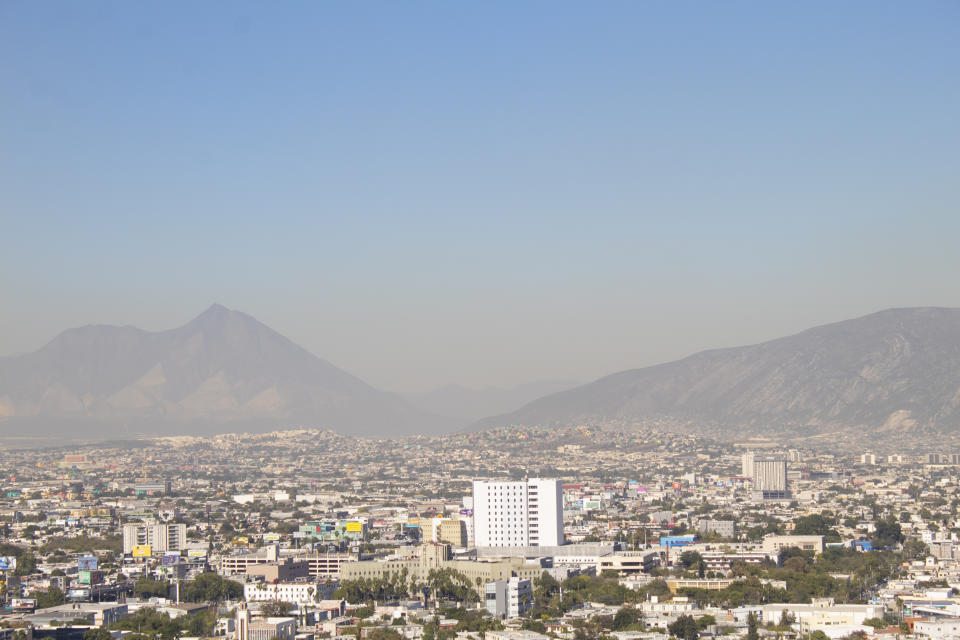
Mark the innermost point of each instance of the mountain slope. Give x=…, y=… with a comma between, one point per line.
x=223, y=370
x=892, y=370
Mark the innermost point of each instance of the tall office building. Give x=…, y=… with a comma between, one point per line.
x=527, y=513
x=770, y=478
x=770, y=474
x=747, y=467
x=160, y=537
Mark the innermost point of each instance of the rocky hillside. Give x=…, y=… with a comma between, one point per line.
x=895, y=370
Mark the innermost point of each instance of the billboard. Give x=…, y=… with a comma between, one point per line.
x=354, y=527
x=170, y=558
x=271, y=537
x=196, y=553
x=23, y=604
x=87, y=563
x=8, y=563
x=142, y=551
x=89, y=577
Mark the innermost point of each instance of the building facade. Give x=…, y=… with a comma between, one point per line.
x=518, y=514
x=160, y=537
x=508, y=598
x=770, y=479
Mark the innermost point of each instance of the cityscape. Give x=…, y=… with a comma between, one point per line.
x=524, y=320
x=514, y=533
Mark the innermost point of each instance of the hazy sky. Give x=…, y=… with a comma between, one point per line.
x=478, y=192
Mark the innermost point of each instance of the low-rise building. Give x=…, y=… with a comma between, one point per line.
x=776, y=543
x=508, y=598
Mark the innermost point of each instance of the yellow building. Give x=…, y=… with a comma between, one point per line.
x=446, y=530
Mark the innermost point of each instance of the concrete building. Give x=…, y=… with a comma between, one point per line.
x=629, y=562
x=160, y=537
x=518, y=514
x=427, y=557
x=938, y=628
x=96, y=613
x=318, y=565
x=774, y=543
x=280, y=571
x=508, y=598
x=674, y=584
x=770, y=479
x=822, y=614
x=721, y=528
x=246, y=628
x=270, y=628
x=152, y=488
x=515, y=634
x=327, y=565
x=724, y=560
x=299, y=593
x=584, y=556
x=449, y=530
x=746, y=469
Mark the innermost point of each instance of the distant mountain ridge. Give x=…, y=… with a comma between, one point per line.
x=891, y=371
x=220, y=370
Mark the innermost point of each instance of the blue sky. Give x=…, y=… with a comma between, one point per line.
x=483, y=193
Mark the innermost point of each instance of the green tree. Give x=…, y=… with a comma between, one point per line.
x=626, y=617
x=383, y=633
x=786, y=620
x=52, y=597
x=26, y=564
x=816, y=525
x=147, y=587
x=684, y=627
x=690, y=559
x=887, y=533
x=752, y=628
x=210, y=587
x=275, y=608
x=534, y=625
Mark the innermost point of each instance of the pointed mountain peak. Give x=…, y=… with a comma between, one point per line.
x=215, y=310
x=218, y=314
x=222, y=370
x=221, y=321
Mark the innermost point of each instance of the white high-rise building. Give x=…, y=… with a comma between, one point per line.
x=161, y=537
x=770, y=479
x=770, y=474
x=526, y=513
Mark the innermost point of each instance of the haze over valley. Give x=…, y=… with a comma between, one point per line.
x=890, y=372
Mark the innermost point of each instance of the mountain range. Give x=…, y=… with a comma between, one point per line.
x=892, y=371
x=223, y=371
x=889, y=372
